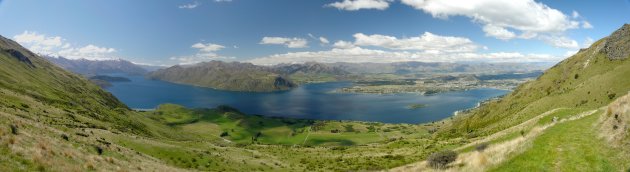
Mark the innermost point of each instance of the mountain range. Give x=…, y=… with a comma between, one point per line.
x=574, y=117
x=99, y=67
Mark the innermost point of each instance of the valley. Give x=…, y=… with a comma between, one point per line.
x=312, y=86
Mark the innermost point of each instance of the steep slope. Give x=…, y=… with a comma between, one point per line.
x=226, y=76
x=589, y=79
x=97, y=67
x=49, y=117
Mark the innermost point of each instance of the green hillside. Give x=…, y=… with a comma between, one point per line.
x=589, y=79
x=572, y=118
x=53, y=120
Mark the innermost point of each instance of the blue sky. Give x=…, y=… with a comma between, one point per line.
x=290, y=31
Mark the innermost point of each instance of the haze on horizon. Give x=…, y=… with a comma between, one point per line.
x=285, y=31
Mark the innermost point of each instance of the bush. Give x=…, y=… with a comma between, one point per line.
x=481, y=147
x=225, y=133
x=14, y=129
x=439, y=160
x=612, y=95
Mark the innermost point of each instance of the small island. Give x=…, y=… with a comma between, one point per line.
x=416, y=106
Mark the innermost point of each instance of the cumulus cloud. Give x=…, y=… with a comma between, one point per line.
x=343, y=45
x=427, y=47
x=522, y=15
x=288, y=42
x=498, y=32
x=205, y=52
x=57, y=46
x=425, y=42
x=354, y=5
x=560, y=42
x=192, y=5
x=525, y=19
x=360, y=55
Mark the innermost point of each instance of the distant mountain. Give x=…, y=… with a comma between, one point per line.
x=311, y=72
x=439, y=67
x=233, y=76
x=309, y=68
x=98, y=67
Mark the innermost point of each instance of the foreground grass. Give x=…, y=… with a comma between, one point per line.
x=569, y=146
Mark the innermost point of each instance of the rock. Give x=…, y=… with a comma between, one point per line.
x=19, y=56
x=617, y=46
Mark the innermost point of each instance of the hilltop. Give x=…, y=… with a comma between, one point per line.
x=232, y=76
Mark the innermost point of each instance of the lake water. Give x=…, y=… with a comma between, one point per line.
x=310, y=101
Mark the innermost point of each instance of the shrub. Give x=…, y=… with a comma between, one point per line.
x=481, y=147
x=14, y=129
x=65, y=137
x=349, y=128
x=225, y=133
x=439, y=160
x=611, y=96
x=99, y=150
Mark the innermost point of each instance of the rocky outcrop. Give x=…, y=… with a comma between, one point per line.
x=617, y=46
x=19, y=56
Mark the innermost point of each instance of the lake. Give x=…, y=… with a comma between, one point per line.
x=309, y=101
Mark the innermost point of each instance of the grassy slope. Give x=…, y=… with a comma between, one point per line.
x=65, y=123
x=570, y=146
x=586, y=80
x=583, y=82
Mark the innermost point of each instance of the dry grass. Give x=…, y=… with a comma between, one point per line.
x=614, y=126
x=495, y=154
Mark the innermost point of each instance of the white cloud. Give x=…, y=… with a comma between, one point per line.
x=199, y=57
x=586, y=25
x=575, y=14
x=205, y=52
x=343, y=45
x=523, y=15
x=57, y=46
x=323, y=40
x=222, y=0
x=192, y=5
x=209, y=47
x=425, y=42
x=587, y=42
x=359, y=55
x=500, y=18
x=354, y=5
x=499, y=32
x=288, y=42
x=560, y=42
x=570, y=53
